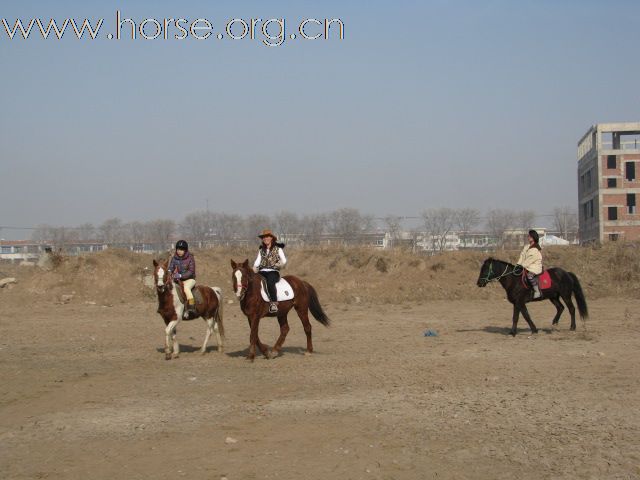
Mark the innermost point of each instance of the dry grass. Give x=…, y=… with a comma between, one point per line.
x=341, y=274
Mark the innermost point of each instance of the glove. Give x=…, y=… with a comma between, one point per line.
x=177, y=276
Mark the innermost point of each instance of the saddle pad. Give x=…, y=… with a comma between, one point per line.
x=197, y=296
x=544, y=280
x=284, y=290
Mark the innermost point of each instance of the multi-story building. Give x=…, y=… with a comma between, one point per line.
x=608, y=186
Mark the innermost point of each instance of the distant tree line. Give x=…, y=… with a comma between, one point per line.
x=347, y=225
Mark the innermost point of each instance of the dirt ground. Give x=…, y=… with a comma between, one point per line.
x=87, y=394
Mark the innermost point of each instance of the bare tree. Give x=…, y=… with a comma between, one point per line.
x=196, y=225
x=254, y=224
x=349, y=224
x=86, y=232
x=524, y=221
x=312, y=226
x=438, y=223
x=228, y=227
x=160, y=231
x=111, y=231
x=466, y=219
x=498, y=222
x=565, y=221
x=394, y=226
x=287, y=223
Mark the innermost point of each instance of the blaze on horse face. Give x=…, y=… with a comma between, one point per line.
x=161, y=275
x=240, y=278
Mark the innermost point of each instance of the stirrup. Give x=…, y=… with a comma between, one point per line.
x=273, y=307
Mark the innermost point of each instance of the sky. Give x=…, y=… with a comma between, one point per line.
x=423, y=104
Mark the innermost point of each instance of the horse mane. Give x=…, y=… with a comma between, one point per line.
x=491, y=259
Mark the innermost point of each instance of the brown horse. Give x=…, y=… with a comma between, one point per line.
x=247, y=286
x=171, y=309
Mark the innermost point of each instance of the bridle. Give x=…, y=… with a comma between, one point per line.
x=167, y=283
x=239, y=285
x=516, y=272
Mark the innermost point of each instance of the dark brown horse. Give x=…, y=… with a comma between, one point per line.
x=563, y=285
x=247, y=286
x=171, y=309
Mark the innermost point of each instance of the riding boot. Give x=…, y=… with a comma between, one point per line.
x=536, y=291
x=273, y=307
x=191, y=307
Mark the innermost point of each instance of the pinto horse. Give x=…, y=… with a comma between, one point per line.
x=171, y=310
x=247, y=286
x=563, y=285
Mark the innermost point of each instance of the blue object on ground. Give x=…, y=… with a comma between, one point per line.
x=430, y=333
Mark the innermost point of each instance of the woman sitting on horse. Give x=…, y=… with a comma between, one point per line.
x=183, y=267
x=531, y=260
x=270, y=260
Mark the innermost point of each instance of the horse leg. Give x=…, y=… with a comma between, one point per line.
x=170, y=343
x=527, y=317
x=572, y=310
x=284, y=329
x=516, y=315
x=303, y=313
x=559, y=308
x=216, y=329
x=207, y=335
x=261, y=346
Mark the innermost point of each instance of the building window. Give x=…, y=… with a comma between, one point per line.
x=611, y=183
x=589, y=179
x=631, y=203
x=6, y=249
x=591, y=208
x=613, y=213
x=611, y=161
x=630, y=171
x=613, y=237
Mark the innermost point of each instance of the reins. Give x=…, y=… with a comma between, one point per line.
x=516, y=272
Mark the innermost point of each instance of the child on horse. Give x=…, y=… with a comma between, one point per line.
x=531, y=260
x=183, y=267
x=268, y=263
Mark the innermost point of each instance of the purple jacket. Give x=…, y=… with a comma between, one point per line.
x=185, y=266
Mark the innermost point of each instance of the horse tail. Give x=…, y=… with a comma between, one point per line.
x=219, y=311
x=578, y=293
x=315, y=307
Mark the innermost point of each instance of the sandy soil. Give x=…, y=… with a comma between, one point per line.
x=87, y=394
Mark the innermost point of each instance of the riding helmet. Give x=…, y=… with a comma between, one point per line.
x=533, y=234
x=182, y=245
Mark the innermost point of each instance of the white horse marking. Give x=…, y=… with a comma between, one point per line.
x=238, y=283
x=160, y=276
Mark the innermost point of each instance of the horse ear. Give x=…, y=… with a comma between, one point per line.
x=155, y=263
x=234, y=265
x=245, y=264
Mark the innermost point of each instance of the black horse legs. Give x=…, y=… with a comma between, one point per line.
x=525, y=313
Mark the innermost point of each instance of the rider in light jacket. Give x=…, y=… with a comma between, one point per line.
x=531, y=260
x=269, y=262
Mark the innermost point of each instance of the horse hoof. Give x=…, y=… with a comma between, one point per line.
x=175, y=355
x=308, y=354
x=202, y=352
x=274, y=353
x=167, y=356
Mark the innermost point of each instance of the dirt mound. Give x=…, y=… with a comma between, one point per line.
x=341, y=274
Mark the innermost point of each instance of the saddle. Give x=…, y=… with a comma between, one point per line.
x=544, y=280
x=283, y=290
x=197, y=296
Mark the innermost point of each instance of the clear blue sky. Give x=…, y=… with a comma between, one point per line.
x=423, y=104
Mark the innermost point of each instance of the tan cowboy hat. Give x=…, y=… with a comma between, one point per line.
x=267, y=233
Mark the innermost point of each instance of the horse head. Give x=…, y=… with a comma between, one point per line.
x=492, y=269
x=486, y=272
x=240, y=278
x=161, y=276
